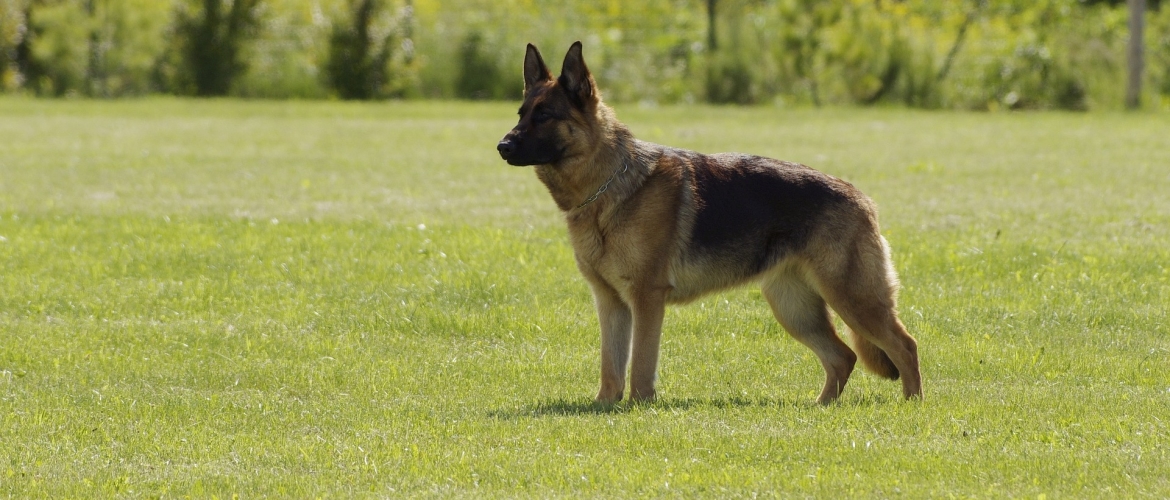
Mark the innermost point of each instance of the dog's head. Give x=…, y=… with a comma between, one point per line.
x=554, y=113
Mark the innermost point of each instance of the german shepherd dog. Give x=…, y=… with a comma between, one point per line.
x=652, y=225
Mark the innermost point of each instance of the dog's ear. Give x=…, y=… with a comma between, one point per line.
x=576, y=79
x=535, y=72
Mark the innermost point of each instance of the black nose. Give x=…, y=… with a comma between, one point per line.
x=506, y=147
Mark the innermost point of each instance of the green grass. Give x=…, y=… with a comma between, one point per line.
x=202, y=298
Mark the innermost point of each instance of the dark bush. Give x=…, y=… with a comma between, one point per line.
x=212, y=41
x=730, y=80
x=40, y=74
x=480, y=76
x=358, y=66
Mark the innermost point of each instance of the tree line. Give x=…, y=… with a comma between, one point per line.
x=967, y=54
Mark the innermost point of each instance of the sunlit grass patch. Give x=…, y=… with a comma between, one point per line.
x=303, y=299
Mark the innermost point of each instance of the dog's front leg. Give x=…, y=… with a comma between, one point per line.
x=615, y=319
x=649, y=306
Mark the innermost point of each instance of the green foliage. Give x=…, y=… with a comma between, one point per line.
x=285, y=58
x=731, y=79
x=881, y=59
x=1024, y=61
x=359, y=59
x=1158, y=53
x=53, y=50
x=1152, y=4
x=734, y=70
x=12, y=28
x=123, y=46
x=359, y=300
x=480, y=75
x=965, y=54
x=100, y=48
x=1049, y=54
x=211, y=36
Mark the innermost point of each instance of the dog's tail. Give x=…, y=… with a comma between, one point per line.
x=872, y=357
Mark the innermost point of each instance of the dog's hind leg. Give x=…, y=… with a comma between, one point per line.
x=873, y=323
x=616, y=324
x=802, y=312
x=864, y=298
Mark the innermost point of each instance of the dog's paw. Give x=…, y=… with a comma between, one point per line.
x=608, y=397
x=642, y=395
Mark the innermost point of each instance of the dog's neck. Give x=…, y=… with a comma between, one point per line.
x=578, y=178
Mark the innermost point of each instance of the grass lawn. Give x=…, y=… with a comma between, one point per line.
x=203, y=298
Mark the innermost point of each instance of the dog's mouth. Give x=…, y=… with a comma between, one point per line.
x=514, y=159
x=517, y=160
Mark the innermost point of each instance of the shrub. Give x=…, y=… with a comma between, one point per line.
x=1158, y=52
x=211, y=39
x=480, y=76
x=51, y=55
x=730, y=80
x=1017, y=54
x=358, y=59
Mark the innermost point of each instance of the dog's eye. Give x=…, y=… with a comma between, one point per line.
x=542, y=116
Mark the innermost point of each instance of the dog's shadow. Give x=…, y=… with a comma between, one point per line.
x=563, y=407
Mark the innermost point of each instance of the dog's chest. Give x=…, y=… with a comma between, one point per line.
x=628, y=253
x=602, y=254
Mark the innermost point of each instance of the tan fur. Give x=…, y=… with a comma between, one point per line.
x=633, y=244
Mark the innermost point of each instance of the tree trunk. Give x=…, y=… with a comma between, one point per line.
x=95, y=82
x=408, y=32
x=1133, y=91
x=711, y=44
x=955, y=47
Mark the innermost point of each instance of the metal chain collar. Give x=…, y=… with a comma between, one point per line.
x=625, y=168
